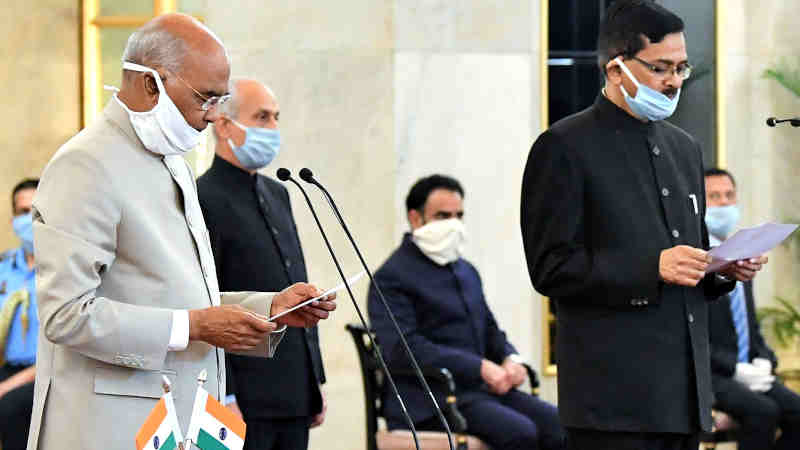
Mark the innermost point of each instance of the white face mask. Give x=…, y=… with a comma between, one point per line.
x=163, y=129
x=441, y=240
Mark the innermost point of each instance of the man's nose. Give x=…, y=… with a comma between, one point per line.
x=673, y=80
x=212, y=114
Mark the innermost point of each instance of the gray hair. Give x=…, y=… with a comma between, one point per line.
x=153, y=46
x=231, y=107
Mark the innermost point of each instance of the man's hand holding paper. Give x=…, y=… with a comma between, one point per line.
x=307, y=315
x=745, y=269
x=742, y=254
x=241, y=327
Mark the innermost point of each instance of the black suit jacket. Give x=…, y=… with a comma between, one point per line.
x=603, y=194
x=724, y=346
x=256, y=248
x=446, y=321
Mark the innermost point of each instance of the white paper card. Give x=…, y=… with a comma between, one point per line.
x=749, y=243
x=352, y=280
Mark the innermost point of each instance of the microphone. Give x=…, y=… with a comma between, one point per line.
x=285, y=175
x=308, y=176
x=794, y=121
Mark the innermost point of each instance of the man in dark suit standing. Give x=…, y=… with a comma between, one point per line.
x=256, y=248
x=742, y=365
x=437, y=298
x=612, y=223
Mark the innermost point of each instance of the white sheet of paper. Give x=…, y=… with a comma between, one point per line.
x=352, y=280
x=749, y=243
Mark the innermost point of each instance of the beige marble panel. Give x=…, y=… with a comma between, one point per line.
x=463, y=25
x=303, y=24
x=765, y=160
x=42, y=102
x=468, y=115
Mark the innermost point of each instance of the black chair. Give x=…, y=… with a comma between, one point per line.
x=373, y=379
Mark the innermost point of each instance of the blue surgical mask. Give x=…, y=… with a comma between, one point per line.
x=260, y=147
x=648, y=103
x=23, y=228
x=721, y=220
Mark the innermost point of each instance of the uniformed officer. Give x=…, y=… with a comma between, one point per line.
x=19, y=324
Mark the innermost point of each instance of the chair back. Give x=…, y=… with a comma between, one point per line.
x=372, y=378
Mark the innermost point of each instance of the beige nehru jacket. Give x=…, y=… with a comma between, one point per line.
x=120, y=244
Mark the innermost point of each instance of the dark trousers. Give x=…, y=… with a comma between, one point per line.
x=515, y=421
x=582, y=439
x=760, y=414
x=277, y=434
x=15, y=412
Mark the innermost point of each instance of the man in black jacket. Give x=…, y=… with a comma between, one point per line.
x=612, y=223
x=742, y=365
x=256, y=248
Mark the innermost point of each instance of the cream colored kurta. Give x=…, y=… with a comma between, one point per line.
x=120, y=243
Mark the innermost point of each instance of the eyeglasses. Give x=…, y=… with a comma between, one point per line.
x=208, y=102
x=683, y=71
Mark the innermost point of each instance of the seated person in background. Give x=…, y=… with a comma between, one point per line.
x=438, y=301
x=742, y=365
x=19, y=324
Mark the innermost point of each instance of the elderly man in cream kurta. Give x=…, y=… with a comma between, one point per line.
x=125, y=276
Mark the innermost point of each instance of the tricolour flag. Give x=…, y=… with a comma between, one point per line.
x=161, y=430
x=213, y=426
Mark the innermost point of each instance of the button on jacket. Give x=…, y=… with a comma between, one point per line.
x=256, y=248
x=603, y=194
x=120, y=244
x=445, y=319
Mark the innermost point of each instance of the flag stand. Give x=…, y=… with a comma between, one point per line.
x=167, y=386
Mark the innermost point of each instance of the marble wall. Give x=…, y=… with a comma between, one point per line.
x=41, y=105
x=374, y=95
x=377, y=93
x=759, y=35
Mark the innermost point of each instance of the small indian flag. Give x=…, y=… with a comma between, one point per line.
x=161, y=430
x=213, y=426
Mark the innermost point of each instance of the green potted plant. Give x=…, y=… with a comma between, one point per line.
x=787, y=76
x=782, y=320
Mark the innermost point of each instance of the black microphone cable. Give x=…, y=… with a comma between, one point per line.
x=307, y=176
x=284, y=175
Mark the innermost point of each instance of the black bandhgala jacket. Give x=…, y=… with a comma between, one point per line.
x=256, y=248
x=603, y=194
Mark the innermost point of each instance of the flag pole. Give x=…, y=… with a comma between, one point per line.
x=167, y=386
x=202, y=377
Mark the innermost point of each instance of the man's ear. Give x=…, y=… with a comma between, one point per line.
x=613, y=73
x=150, y=85
x=415, y=219
x=222, y=126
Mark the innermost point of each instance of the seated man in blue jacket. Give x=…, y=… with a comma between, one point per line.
x=437, y=298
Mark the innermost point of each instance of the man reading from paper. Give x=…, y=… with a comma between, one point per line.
x=126, y=281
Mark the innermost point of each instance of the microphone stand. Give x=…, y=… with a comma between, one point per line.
x=284, y=175
x=307, y=176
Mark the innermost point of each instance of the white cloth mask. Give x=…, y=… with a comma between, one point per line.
x=163, y=129
x=441, y=240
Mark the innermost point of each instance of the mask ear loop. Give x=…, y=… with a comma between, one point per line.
x=241, y=127
x=140, y=68
x=627, y=72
